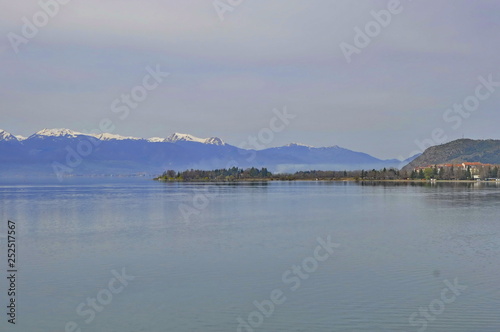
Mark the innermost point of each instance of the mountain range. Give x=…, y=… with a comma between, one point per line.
x=67, y=152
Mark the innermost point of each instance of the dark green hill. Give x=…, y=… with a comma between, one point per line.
x=461, y=150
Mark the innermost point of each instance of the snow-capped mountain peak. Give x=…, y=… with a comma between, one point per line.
x=20, y=138
x=156, y=140
x=58, y=132
x=178, y=137
x=214, y=141
x=68, y=133
x=6, y=136
x=108, y=137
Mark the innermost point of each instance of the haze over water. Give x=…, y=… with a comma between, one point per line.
x=399, y=244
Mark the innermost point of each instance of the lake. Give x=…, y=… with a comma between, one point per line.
x=132, y=255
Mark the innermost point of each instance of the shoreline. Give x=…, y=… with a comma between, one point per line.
x=327, y=180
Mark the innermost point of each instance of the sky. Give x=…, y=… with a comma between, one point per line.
x=230, y=63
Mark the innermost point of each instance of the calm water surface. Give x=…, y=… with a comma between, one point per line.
x=400, y=246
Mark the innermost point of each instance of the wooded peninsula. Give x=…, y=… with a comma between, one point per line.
x=235, y=174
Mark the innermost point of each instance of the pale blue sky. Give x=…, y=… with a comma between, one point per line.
x=227, y=76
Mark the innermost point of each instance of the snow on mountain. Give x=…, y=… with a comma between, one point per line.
x=214, y=141
x=127, y=155
x=20, y=138
x=67, y=133
x=58, y=132
x=109, y=137
x=5, y=136
x=155, y=140
x=178, y=137
x=299, y=144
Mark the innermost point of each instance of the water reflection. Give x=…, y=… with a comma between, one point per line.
x=399, y=240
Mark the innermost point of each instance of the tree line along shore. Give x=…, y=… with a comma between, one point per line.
x=236, y=174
